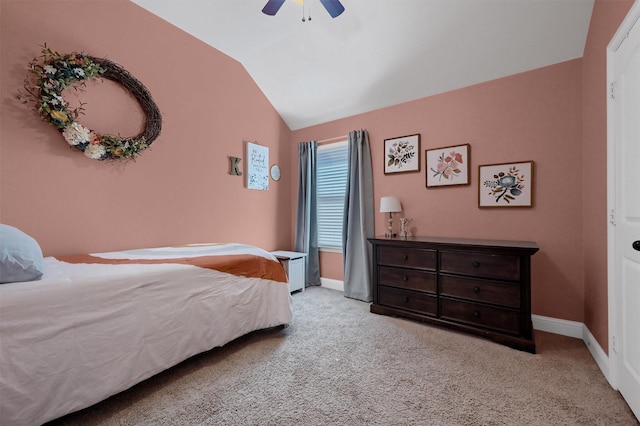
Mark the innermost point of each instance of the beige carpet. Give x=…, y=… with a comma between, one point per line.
x=338, y=364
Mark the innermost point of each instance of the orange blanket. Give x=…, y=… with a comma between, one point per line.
x=244, y=265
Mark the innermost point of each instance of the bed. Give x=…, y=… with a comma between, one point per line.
x=95, y=325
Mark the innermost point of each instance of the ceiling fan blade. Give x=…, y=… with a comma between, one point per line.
x=272, y=7
x=334, y=7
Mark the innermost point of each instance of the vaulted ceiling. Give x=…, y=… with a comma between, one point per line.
x=379, y=52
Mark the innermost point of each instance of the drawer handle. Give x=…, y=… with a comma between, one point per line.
x=405, y=278
x=406, y=298
x=476, y=289
x=476, y=314
x=405, y=257
x=476, y=264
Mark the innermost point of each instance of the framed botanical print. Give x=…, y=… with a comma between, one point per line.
x=448, y=166
x=402, y=154
x=506, y=185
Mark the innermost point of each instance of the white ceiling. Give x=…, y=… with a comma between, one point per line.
x=380, y=52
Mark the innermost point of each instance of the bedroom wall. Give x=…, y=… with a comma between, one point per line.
x=529, y=116
x=555, y=116
x=178, y=191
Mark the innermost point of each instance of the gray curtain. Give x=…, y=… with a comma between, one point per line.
x=307, y=216
x=358, y=219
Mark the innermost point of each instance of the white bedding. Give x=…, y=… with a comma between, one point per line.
x=88, y=331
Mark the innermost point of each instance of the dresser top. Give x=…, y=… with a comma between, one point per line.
x=449, y=242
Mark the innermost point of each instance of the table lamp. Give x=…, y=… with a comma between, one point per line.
x=390, y=205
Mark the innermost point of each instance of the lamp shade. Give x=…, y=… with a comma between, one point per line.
x=390, y=205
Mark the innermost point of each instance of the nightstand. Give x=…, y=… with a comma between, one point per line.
x=294, y=265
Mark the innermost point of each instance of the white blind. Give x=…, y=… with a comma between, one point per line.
x=332, y=186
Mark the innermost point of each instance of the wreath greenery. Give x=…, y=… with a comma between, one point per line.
x=57, y=72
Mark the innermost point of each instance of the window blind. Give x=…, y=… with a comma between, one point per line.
x=332, y=170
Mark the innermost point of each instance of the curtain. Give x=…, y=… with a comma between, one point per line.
x=358, y=219
x=307, y=217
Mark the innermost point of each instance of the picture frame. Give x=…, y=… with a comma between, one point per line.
x=448, y=166
x=402, y=154
x=257, y=166
x=506, y=185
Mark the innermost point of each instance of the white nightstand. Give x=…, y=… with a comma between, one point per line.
x=294, y=266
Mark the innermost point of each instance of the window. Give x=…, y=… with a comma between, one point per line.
x=332, y=186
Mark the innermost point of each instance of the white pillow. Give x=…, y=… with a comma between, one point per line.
x=20, y=256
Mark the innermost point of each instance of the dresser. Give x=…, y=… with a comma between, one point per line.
x=476, y=286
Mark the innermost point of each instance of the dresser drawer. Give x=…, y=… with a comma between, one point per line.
x=407, y=257
x=412, y=279
x=498, y=293
x=481, y=265
x=408, y=300
x=502, y=319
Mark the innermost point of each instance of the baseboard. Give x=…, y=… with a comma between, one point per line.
x=332, y=284
x=598, y=354
x=579, y=331
x=558, y=326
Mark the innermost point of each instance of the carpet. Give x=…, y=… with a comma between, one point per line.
x=339, y=364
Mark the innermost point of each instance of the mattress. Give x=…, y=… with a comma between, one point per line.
x=89, y=330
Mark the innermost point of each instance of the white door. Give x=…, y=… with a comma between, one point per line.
x=624, y=230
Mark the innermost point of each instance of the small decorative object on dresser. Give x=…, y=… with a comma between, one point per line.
x=294, y=265
x=404, y=227
x=476, y=286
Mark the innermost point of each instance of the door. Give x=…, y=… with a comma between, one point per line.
x=624, y=306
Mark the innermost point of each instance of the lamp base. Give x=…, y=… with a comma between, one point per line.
x=389, y=235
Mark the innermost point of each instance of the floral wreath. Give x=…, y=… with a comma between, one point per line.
x=58, y=72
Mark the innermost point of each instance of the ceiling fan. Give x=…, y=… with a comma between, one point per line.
x=334, y=7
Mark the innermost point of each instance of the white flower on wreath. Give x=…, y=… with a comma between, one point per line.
x=76, y=133
x=95, y=151
x=57, y=100
x=49, y=69
x=79, y=72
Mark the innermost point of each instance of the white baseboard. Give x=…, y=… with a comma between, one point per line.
x=332, y=284
x=597, y=353
x=558, y=326
x=579, y=331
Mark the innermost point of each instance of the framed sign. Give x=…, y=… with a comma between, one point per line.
x=506, y=185
x=448, y=166
x=402, y=154
x=257, y=166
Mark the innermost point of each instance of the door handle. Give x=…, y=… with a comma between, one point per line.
x=636, y=245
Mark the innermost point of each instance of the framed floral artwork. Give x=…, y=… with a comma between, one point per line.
x=448, y=166
x=402, y=154
x=506, y=185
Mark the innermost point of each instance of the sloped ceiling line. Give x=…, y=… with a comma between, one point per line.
x=380, y=53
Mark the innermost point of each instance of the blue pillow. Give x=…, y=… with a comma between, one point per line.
x=20, y=256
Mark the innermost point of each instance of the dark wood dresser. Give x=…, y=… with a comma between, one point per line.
x=476, y=286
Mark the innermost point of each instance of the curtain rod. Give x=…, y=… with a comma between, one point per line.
x=336, y=139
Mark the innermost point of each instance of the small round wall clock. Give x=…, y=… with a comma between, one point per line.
x=275, y=172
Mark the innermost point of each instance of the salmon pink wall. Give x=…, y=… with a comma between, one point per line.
x=555, y=116
x=606, y=18
x=530, y=116
x=178, y=191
